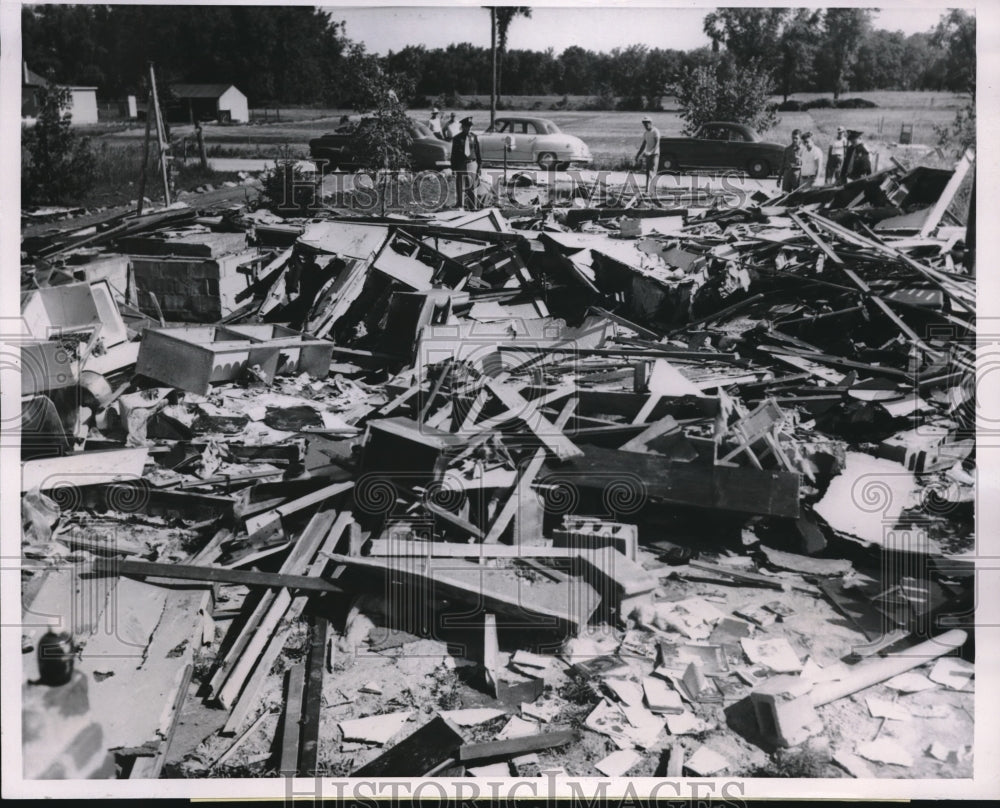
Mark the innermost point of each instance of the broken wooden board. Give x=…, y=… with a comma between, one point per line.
x=291, y=728
x=313, y=699
x=643, y=479
x=503, y=591
x=546, y=431
x=189, y=572
x=136, y=701
x=84, y=468
x=514, y=746
x=805, y=564
x=419, y=754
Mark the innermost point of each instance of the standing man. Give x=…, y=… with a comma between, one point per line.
x=648, y=155
x=791, y=163
x=857, y=161
x=452, y=128
x=466, y=162
x=835, y=156
x=435, y=123
x=812, y=161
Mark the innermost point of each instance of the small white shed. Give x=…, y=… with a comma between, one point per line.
x=222, y=102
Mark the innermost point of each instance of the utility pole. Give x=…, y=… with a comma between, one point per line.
x=493, y=66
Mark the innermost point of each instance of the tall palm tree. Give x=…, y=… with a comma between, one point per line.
x=505, y=16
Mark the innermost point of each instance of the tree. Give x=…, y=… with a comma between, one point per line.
x=724, y=92
x=58, y=165
x=505, y=16
x=879, y=63
x=798, y=45
x=956, y=35
x=749, y=34
x=660, y=68
x=844, y=30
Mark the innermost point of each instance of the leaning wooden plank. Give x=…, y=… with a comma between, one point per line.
x=83, y=468
x=647, y=479
x=247, y=700
x=270, y=521
x=243, y=665
x=313, y=706
x=292, y=720
x=547, y=432
x=522, y=488
x=300, y=556
x=617, y=318
x=514, y=746
x=230, y=751
x=497, y=590
x=944, y=200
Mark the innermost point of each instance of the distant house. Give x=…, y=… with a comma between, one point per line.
x=82, y=105
x=209, y=102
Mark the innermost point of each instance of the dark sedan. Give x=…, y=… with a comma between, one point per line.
x=337, y=148
x=722, y=145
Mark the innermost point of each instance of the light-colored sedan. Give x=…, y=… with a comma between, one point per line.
x=532, y=140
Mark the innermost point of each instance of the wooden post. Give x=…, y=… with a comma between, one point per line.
x=145, y=156
x=162, y=138
x=200, y=135
x=493, y=66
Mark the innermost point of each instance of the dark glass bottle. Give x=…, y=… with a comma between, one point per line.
x=55, y=657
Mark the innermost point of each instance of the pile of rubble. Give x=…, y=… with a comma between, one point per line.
x=590, y=490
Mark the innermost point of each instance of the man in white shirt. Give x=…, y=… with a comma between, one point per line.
x=835, y=155
x=812, y=162
x=452, y=128
x=435, y=123
x=648, y=155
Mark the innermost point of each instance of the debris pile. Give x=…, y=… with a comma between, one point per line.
x=589, y=491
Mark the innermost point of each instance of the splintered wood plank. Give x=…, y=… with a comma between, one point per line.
x=518, y=497
x=514, y=746
x=543, y=429
x=292, y=720
x=136, y=703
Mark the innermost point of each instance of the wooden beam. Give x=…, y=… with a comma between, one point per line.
x=313, y=706
x=296, y=677
x=455, y=520
x=142, y=569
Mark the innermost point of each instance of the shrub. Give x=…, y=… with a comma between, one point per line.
x=289, y=191
x=790, y=106
x=723, y=92
x=57, y=166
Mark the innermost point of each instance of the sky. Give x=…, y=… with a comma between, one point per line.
x=596, y=26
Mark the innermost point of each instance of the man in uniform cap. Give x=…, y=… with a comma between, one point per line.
x=649, y=150
x=857, y=161
x=466, y=162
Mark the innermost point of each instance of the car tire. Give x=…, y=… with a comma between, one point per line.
x=759, y=169
x=669, y=163
x=548, y=161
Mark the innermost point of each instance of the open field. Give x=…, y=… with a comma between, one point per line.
x=611, y=135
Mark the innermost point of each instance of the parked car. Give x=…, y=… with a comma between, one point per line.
x=722, y=145
x=533, y=140
x=337, y=148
